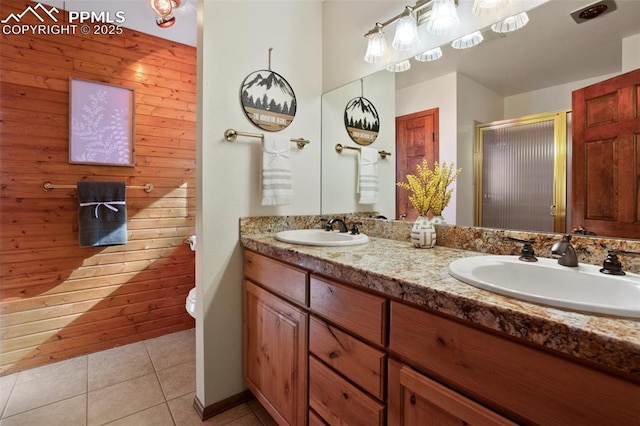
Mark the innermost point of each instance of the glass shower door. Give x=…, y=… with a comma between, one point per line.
x=521, y=173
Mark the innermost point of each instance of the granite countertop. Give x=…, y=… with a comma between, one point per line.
x=420, y=277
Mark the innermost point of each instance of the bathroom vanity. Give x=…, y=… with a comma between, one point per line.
x=381, y=334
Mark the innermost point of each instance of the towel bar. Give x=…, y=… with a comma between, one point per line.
x=340, y=148
x=48, y=186
x=232, y=134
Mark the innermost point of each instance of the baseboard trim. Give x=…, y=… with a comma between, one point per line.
x=218, y=407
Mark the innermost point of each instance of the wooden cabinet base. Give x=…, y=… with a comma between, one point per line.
x=523, y=383
x=275, y=354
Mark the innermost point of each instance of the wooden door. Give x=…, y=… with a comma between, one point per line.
x=275, y=354
x=606, y=157
x=416, y=139
x=415, y=399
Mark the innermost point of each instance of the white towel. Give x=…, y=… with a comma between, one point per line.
x=368, y=175
x=277, y=185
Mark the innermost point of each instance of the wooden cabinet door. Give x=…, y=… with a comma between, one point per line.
x=415, y=399
x=416, y=140
x=275, y=354
x=606, y=157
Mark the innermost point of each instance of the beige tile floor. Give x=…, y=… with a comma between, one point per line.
x=146, y=383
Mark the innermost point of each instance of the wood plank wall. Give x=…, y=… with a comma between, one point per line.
x=58, y=300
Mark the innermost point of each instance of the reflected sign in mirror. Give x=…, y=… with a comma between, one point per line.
x=361, y=121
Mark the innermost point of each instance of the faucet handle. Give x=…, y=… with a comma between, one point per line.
x=325, y=224
x=527, y=254
x=354, y=228
x=612, y=265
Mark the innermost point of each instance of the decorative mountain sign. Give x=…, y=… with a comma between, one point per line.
x=361, y=121
x=268, y=100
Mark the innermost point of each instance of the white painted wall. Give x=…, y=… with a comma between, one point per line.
x=345, y=22
x=559, y=97
x=235, y=42
x=631, y=53
x=339, y=171
x=546, y=100
x=476, y=104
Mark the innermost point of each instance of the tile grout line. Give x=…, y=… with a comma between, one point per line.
x=86, y=397
x=13, y=386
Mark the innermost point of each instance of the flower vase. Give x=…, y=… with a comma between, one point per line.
x=423, y=233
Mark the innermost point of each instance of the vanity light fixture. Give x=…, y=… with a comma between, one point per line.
x=406, y=37
x=487, y=7
x=430, y=55
x=467, y=41
x=444, y=17
x=400, y=66
x=164, y=11
x=512, y=23
x=376, y=47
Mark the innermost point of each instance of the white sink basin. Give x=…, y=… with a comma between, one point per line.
x=582, y=288
x=320, y=237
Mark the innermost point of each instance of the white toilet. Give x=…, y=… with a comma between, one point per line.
x=190, y=303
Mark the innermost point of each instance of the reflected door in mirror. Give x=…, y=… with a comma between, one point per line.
x=416, y=140
x=606, y=157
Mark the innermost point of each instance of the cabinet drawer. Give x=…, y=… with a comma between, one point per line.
x=354, y=359
x=286, y=280
x=361, y=313
x=338, y=401
x=315, y=419
x=517, y=380
x=414, y=398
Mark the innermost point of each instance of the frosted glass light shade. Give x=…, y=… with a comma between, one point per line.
x=512, y=23
x=376, y=48
x=488, y=7
x=399, y=67
x=406, y=37
x=161, y=7
x=444, y=17
x=467, y=41
x=430, y=55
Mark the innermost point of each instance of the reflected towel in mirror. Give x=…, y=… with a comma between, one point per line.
x=367, y=185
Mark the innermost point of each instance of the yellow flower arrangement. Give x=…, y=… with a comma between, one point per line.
x=429, y=187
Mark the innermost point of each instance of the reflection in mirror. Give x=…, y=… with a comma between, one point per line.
x=530, y=71
x=340, y=170
x=521, y=173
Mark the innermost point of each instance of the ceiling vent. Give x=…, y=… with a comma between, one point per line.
x=593, y=11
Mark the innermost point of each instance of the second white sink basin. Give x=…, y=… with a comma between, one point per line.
x=582, y=288
x=320, y=237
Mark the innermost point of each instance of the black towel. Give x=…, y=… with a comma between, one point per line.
x=102, y=214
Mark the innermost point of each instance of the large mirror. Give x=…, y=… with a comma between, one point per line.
x=529, y=71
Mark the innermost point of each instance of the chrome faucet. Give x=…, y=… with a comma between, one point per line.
x=564, y=251
x=341, y=225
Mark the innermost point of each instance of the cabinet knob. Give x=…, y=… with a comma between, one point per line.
x=345, y=395
x=334, y=355
x=412, y=399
